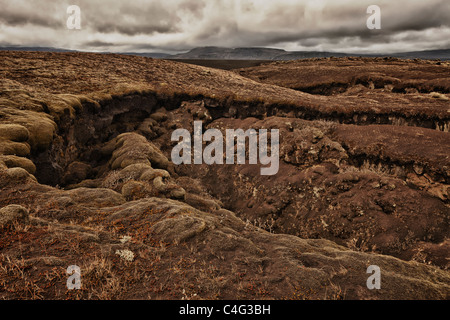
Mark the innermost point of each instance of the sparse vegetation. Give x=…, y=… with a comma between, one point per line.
x=141, y=228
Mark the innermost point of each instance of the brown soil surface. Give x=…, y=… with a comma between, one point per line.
x=86, y=179
x=400, y=90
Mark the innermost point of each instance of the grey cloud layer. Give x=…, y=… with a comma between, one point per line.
x=172, y=25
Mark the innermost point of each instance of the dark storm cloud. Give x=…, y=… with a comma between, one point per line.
x=131, y=18
x=21, y=14
x=21, y=19
x=350, y=21
x=423, y=16
x=169, y=25
x=131, y=30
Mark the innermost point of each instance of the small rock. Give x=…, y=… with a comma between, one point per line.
x=125, y=239
x=178, y=193
x=392, y=187
x=159, y=116
x=418, y=169
x=317, y=135
x=13, y=213
x=151, y=174
x=159, y=184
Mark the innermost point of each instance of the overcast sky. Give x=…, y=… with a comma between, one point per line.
x=179, y=25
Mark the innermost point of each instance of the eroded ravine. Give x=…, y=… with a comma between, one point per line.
x=326, y=188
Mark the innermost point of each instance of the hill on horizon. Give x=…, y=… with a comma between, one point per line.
x=253, y=53
x=223, y=53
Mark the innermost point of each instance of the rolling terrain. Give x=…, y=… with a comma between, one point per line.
x=86, y=179
x=221, y=53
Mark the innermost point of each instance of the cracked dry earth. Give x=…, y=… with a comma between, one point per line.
x=86, y=179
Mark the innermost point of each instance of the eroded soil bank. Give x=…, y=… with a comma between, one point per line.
x=360, y=186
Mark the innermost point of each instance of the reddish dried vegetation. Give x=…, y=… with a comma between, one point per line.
x=85, y=173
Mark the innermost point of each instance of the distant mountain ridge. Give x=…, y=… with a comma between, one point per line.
x=41, y=49
x=443, y=54
x=218, y=53
x=256, y=53
x=156, y=55
x=231, y=53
